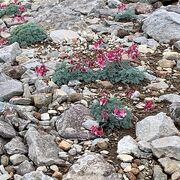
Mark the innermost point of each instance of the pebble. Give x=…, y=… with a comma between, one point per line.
x=141, y=167
x=125, y=157
x=128, y=168
x=45, y=117
x=104, y=152
x=54, y=168
x=65, y=145
x=42, y=168
x=57, y=175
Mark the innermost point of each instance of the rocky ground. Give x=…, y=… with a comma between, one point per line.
x=44, y=127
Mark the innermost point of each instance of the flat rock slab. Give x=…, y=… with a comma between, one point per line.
x=167, y=146
x=153, y=127
x=10, y=88
x=69, y=125
x=42, y=148
x=92, y=166
x=6, y=130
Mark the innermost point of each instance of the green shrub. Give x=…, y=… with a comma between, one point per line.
x=27, y=34
x=12, y=9
x=128, y=14
x=2, y=12
x=113, y=72
x=111, y=113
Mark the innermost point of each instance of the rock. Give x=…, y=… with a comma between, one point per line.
x=153, y=127
x=167, y=146
x=36, y=175
x=29, y=77
x=173, y=98
x=57, y=175
x=42, y=99
x=4, y=160
x=67, y=90
x=63, y=155
x=75, y=97
x=127, y=145
x=175, y=112
x=70, y=123
x=170, y=165
x=73, y=83
x=131, y=176
x=175, y=176
x=24, y=168
x=105, y=84
x=17, y=159
x=113, y=3
x=17, y=177
x=41, y=86
x=38, y=145
x=60, y=35
x=135, y=171
x=16, y=146
x=60, y=95
x=161, y=85
x=125, y=157
x=177, y=45
x=91, y=166
x=42, y=168
x=169, y=55
x=164, y=63
x=143, y=8
x=54, y=168
x=6, y=130
x=15, y=72
x=158, y=173
x=45, y=117
x=2, y=143
x=89, y=123
x=65, y=145
x=20, y=101
x=145, y=146
x=9, y=53
x=163, y=18
x=9, y=89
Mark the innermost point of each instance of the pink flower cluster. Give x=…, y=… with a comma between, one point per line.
x=41, y=70
x=3, y=41
x=115, y=55
x=3, y=5
x=119, y=113
x=97, y=131
x=149, y=104
x=122, y=6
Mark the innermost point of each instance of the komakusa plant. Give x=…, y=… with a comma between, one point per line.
x=107, y=65
x=27, y=34
x=110, y=113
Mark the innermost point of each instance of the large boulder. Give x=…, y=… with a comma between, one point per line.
x=69, y=125
x=167, y=146
x=10, y=88
x=42, y=148
x=164, y=24
x=153, y=127
x=9, y=53
x=92, y=166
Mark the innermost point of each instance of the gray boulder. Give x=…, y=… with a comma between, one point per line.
x=6, y=130
x=69, y=125
x=9, y=53
x=92, y=166
x=36, y=175
x=16, y=146
x=153, y=127
x=167, y=146
x=158, y=173
x=9, y=89
x=175, y=112
x=163, y=25
x=42, y=148
x=173, y=98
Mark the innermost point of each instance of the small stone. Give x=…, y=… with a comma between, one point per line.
x=135, y=171
x=158, y=173
x=164, y=63
x=42, y=99
x=17, y=159
x=104, y=152
x=45, y=117
x=65, y=145
x=105, y=84
x=4, y=160
x=72, y=152
x=175, y=176
x=75, y=97
x=57, y=175
x=102, y=144
x=128, y=169
x=141, y=167
x=54, y=168
x=63, y=155
x=42, y=168
x=89, y=123
x=52, y=112
x=171, y=55
x=125, y=157
x=131, y=176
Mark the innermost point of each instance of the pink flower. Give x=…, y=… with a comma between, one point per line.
x=19, y=18
x=3, y=5
x=98, y=131
x=103, y=101
x=122, y=6
x=133, y=51
x=41, y=70
x=98, y=43
x=22, y=8
x=114, y=55
x=119, y=113
x=105, y=115
x=149, y=104
x=3, y=41
x=101, y=61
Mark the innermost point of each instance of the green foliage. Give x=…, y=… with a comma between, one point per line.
x=128, y=14
x=27, y=34
x=12, y=9
x=113, y=72
x=2, y=12
x=112, y=121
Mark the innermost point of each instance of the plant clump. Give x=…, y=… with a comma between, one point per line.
x=27, y=34
x=110, y=113
x=106, y=65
